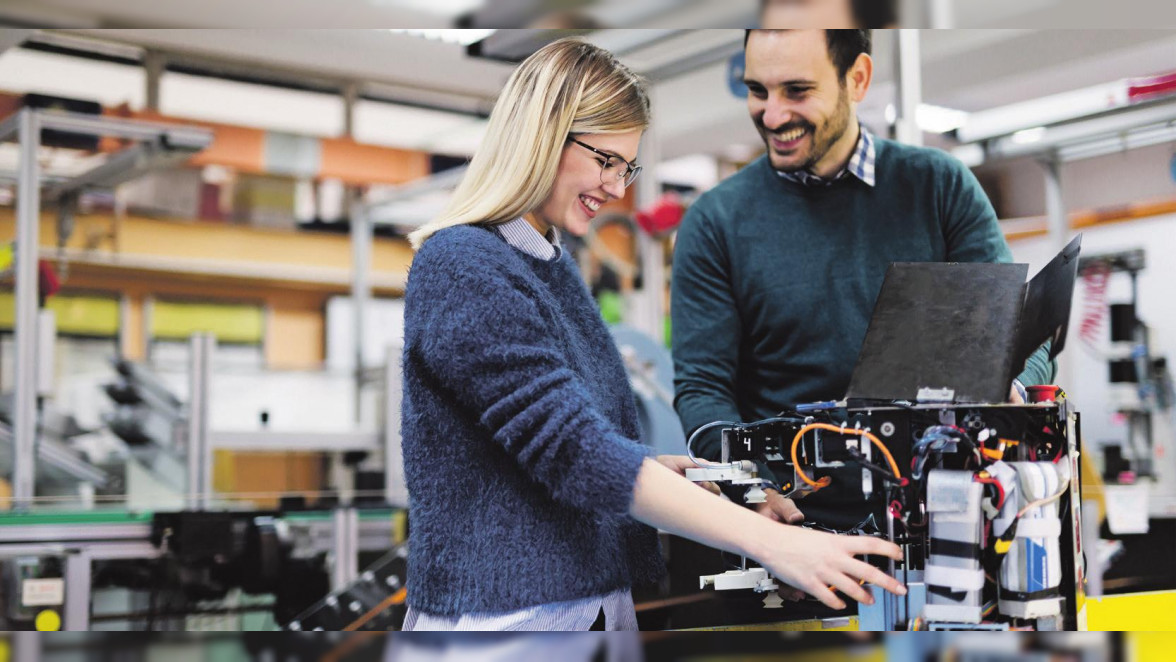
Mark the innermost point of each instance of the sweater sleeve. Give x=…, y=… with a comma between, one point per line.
x=474, y=329
x=1039, y=369
x=971, y=230
x=705, y=332
x=972, y=233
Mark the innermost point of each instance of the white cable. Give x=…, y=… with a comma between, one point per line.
x=700, y=430
x=731, y=424
x=1047, y=500
x=1064, y=478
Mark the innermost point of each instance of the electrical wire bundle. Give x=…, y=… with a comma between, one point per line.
x=937, y=439
x=974, y=452
x=894, y=474
x=998, y=477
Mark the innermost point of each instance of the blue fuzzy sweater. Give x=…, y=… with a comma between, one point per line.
x=518, y=425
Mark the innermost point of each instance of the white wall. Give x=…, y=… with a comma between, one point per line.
x=1084, y=372
x=383, y=327
x=1139, y=174
x=297, y=401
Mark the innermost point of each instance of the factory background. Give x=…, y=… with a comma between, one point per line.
x=220, y=228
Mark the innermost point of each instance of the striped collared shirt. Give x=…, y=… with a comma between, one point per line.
x=861, y=165
x=573, y=615
x=523, y=236
x=516, y=647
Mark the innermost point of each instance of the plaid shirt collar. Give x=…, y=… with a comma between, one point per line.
x=861, y=165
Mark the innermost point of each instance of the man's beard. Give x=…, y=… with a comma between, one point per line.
x=823, y=138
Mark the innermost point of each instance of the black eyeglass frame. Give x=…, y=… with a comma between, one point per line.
x=630, y=174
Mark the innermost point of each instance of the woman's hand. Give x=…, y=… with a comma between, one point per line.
x=814, y=561
x=809, y=560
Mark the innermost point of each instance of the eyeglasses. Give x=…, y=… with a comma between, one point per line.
x=610, y=170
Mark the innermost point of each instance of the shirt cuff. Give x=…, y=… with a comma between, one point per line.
x=1021, y=390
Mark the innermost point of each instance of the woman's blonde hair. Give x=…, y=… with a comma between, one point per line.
x=567, y=87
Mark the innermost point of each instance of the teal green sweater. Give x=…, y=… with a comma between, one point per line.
x=774, y=282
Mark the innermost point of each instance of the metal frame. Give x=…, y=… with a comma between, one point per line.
x=202, y=440
x=56, y=455
x=26, y=646
x=78, y=577
x=343, y=536
x=647, y=306
x=361, y=287
x=908, y=86
x=1140, y=125
x=72, y=534
x=198, y=451
x=345, y=547
x=394, y=491
x=82, y=544
x=26, y=125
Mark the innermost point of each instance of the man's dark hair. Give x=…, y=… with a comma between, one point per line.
x=866, y=13
x=844, y=47
x=875, y=13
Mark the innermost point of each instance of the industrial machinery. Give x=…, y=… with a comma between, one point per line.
x=178, y=570
x=373, y=602
x=980, y=494
x=1142, y=387
x=979, y=497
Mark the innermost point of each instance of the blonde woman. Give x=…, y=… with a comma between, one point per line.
x=533, y=507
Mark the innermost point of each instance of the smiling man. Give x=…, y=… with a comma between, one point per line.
x=802, y=99
x=777, y=268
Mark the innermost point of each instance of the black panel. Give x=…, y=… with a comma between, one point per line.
x=938, y=325
x=1046, y=314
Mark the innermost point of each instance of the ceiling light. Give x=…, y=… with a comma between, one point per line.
x=931, y=118
x=461, y=37
x=450, y=8
x=937, y=119
x=1028, y=136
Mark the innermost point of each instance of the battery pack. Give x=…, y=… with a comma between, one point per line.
x=1031, y=572
x=954, y=577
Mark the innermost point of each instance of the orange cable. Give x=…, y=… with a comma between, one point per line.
x=394, y=599
x=823, y=482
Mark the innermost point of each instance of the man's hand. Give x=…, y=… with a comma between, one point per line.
x=680, y=463
x=780, y=509
x=1015, y=396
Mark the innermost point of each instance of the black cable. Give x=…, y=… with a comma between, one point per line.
x=782, y=418
x=885, y=473
x=878, y=403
